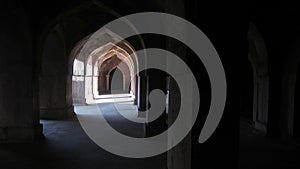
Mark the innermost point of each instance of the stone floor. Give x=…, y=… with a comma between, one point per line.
x=66, y=145
x=259, y=152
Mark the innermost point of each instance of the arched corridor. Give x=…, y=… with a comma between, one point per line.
x=63, y=72
x=96, y=67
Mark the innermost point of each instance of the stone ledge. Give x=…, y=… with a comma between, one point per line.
x=21, y=134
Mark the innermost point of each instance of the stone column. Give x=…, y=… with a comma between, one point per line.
x=180, y=156
x=55, y=97
x=19, y=114
x=54, y=80
x=159, y=125
x=136, y=92
x=143, y=90
x=260, y=105
x=287, y=110
x=88, y=89
x=95, y=86
x=107, y=82
x=78, y=90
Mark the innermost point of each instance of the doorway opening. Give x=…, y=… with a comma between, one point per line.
x=120, y=87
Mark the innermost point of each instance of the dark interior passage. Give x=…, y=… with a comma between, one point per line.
x=55, y=58
x=247, y=93
x=297, y=106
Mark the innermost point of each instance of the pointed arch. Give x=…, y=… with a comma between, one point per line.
x=257, y=55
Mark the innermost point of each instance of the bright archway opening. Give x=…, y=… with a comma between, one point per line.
x=93, y=73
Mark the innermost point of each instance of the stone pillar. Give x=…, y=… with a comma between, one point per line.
x=232, y=46
x=143, y=91
x=89, y=89
x=127, y=81
x=102, y=83
x=55, y=97
x=54, y=80
x=136, y=92
x=260, y=102
x=287, y=110
x=179, y=157
x=160, y=124
x=78, y=90
x=95, y=86
x=19, y=114
x=107, y=82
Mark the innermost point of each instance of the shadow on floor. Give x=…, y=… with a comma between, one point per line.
x=67, y=146
x=259, y=152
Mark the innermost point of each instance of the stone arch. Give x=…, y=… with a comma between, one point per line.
x=55, y=79
x=257, y=55
x=55, y=99
x=105, y=69
x=124, y=56
x=86, y=65
x=61, y=24
x=120, y=74
x=72, y=18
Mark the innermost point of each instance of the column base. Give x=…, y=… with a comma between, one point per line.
x=79, y=101
x=142, y=114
